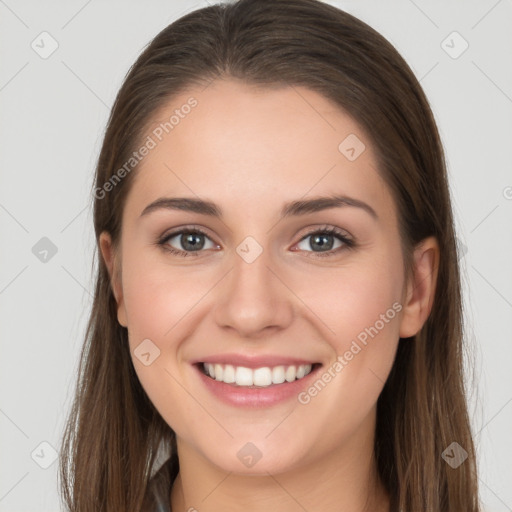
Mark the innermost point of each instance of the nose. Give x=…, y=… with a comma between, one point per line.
x=253, y=300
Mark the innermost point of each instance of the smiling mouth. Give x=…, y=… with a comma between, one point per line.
x=256, y=377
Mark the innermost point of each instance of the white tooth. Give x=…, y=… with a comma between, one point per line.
x=218, y=372
x=229, y=374
x=244, y=376
x=278, y=375
x=290, y=373
x=259, y=377
x=262, y=377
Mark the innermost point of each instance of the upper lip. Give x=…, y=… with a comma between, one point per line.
x=253, y=361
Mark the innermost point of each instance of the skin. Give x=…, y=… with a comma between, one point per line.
x=251, y=150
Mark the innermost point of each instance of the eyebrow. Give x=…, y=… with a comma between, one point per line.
x=292, y=208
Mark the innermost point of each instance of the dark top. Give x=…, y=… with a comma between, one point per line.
x=158, y=494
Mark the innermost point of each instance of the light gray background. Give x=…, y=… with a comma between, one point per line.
x=54, y=112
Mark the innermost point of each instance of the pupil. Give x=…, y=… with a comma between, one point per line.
x=190, y=241
x=320, y=241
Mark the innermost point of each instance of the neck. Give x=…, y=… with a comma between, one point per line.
x=344, y=479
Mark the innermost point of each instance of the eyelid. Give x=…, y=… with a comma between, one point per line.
x=185, y=229
x=329, y=229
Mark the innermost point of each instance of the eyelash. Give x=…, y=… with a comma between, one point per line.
x=348, y=243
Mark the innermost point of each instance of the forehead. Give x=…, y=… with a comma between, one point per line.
x=247, y=147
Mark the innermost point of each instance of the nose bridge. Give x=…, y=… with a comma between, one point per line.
x=252, y=298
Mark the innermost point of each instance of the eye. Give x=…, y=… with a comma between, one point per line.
x=192, y=242
x=325, y=239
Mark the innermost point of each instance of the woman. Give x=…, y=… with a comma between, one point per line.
x=277, y=312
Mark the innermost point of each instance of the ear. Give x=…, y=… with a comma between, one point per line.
x=111, y=261
x=421, y=287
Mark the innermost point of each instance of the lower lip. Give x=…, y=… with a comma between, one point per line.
x=256, y=397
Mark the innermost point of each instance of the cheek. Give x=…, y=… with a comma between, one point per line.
x=352, y=298
x=158, y=297
x=361, y=306
x=157, y=302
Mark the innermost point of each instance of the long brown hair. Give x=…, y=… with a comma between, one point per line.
x=113, y=432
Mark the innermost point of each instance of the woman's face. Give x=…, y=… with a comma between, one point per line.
x=263, y=294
